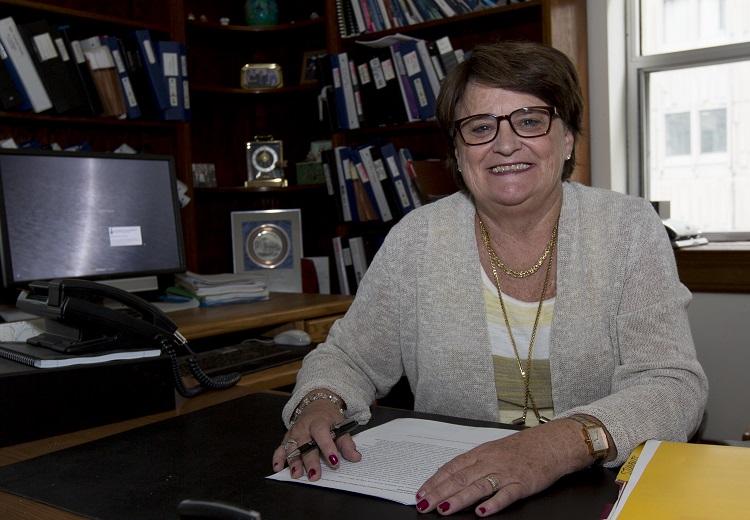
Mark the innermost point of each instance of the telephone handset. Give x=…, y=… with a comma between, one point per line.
x=76, y=322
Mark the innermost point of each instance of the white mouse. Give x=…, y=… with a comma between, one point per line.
x=293, y=337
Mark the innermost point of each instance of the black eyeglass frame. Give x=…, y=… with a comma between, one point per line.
x=552, y=112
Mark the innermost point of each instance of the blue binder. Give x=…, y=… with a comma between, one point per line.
x=132, y=107
x=152, y=67
x=168, y=53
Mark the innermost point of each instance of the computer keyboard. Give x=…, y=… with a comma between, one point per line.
x=244, y=358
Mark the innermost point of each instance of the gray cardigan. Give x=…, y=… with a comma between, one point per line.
x=621, y=348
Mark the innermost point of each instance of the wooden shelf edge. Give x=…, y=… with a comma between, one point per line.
x=84, y=120
x=461, y=18
x=263, y=29
x=82, y=15
x=715, y=267
x=219, y=90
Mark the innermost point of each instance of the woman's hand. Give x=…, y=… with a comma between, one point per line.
x=316, y=422
x=500, y=472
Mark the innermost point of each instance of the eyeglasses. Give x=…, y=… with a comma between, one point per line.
x=525, y=122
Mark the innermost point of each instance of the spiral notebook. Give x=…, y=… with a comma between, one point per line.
x=41, y=357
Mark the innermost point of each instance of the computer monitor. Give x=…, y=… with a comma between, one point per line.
x=101, y=217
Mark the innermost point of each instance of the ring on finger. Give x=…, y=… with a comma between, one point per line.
x=493, y=482
x=290, y=445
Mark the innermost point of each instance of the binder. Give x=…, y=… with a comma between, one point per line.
x=387, y=84
x=415, y=71
x=397, y=178
x=186, y=108
x=11, y=97
x=340, y=261
x=51, y=67
x=353, y=75
x=153, y=72
x=428, y=65
x=447, y=54
x=413, y=12
x=21, y=66
x=138, y=78
x=374, y=180
x=358, y=16
x=407, y=167
x=342, y=119
x=40, y=357
x=78, y=69
x=345, y=190
x=363, y=195
x=359, y=258
x=352, y=120
x=407, y=90
x=386, y=183
x=367, y=95
x=132, y=107
x=332, y=184
x=104, y=73
x=435, y=59
x=168, y=56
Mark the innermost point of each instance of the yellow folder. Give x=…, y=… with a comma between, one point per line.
x=691, y=481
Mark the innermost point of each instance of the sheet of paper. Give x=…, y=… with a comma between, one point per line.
x=398, y=456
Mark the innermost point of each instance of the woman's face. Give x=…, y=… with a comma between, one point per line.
x=511, y=170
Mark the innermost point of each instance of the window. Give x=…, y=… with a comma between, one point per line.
x=689, y=74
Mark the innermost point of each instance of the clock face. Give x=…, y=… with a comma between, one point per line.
x=265, y=158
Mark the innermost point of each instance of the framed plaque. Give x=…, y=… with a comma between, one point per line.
x=269, y=244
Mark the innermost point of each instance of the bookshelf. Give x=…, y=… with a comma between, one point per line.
x=225, y=117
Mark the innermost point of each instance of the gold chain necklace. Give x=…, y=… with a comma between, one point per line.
x=526, y=272
x=525, y=374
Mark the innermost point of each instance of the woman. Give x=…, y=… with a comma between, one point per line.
x=521, y=298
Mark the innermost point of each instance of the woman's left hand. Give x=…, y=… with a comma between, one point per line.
x=500, y=472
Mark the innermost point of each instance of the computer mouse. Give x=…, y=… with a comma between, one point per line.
x=293, y=337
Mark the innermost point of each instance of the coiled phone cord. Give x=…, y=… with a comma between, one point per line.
x=204, y=380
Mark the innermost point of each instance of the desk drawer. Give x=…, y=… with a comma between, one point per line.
x=318, y=328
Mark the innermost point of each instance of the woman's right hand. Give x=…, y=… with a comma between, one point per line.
x=315, y=422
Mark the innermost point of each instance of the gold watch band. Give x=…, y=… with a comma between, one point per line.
x=594, y=436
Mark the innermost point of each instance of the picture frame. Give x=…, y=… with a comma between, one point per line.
x=309, y=72
x=261, y=76
x=268, y=243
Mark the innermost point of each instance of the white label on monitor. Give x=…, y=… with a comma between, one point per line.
x=125, y=236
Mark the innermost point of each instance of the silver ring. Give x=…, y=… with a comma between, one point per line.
x=290, y=445
x=493, y=482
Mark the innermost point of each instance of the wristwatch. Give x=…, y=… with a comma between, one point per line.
x=594, y=436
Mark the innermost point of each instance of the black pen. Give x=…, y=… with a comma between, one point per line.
x=336, y=432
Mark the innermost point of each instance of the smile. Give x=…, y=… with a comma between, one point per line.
x=508, y=168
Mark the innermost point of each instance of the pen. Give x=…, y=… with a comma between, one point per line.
x=336, y=432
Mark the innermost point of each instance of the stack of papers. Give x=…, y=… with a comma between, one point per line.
x=219, y=289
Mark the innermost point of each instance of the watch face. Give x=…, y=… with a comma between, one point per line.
x=265, y=158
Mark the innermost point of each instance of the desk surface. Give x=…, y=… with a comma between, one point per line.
x=281, y=308
x=223, y=453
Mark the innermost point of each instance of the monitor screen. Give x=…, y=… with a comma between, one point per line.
x=94, y=216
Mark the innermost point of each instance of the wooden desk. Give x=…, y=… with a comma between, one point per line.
x=223, y=453
x=311, y=312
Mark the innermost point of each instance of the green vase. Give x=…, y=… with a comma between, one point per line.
x=261, y=12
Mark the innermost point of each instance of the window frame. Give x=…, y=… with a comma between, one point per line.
x=638, y=69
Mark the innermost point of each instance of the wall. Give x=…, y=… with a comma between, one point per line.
x=721, y=332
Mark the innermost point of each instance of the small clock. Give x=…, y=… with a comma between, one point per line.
x=265, y=162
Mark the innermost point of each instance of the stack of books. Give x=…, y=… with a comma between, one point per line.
x=220, y=289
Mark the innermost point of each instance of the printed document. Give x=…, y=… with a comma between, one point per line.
x=398, y=456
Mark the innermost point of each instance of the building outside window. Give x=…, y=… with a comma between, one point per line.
x=689, y=71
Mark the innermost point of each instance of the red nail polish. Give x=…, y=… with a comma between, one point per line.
x=420, y=494
x=482, y=510
x=444, y=506
x=334, y=459
x=311, y=473
x=423, y=505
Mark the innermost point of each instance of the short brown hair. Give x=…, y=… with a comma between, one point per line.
x=528, y=67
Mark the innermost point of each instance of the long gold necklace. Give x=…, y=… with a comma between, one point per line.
x=525, y=373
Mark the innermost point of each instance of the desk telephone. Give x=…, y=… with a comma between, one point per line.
x=76, y=322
